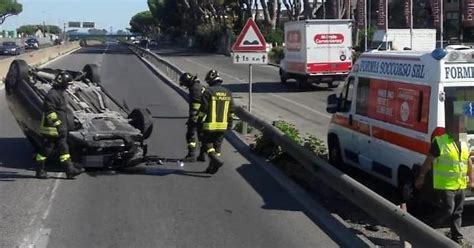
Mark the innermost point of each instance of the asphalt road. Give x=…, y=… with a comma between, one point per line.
x=275, y=101
x=271, y=100
x=166, y=206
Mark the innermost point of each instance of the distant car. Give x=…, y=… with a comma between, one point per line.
x=31, y=43
x=102, y=132
x=10, y=48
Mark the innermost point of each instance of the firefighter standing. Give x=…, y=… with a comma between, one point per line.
x=215, y=116
x=193, y=127
x=54, y=128
x=451, y=165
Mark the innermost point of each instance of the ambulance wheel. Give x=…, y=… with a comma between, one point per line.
x=335, y=155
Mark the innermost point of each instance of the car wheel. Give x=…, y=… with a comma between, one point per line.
x=92, y=73
x=142, y=120
x=17, y=72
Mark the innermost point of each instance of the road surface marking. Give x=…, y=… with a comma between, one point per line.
x=281, y=97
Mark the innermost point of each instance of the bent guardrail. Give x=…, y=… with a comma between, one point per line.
x=405, y=225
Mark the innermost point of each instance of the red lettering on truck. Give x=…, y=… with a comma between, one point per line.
x=329, y=38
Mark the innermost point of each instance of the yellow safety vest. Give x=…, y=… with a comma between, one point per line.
x=450, y=168
x=50, y=130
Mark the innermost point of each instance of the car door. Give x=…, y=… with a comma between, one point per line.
x=363, y=136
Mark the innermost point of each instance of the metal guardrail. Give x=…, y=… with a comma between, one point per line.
x=405, y=225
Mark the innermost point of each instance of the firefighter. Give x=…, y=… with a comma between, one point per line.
x=449, y=158
x=54, y=128
x=196, y=89
x=215, y=116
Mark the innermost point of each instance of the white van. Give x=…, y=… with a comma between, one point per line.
x=392, y=105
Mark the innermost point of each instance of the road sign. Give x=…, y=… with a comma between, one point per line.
x=88, y=24
x=74, y=24
x=250, y=58
x=250, y=39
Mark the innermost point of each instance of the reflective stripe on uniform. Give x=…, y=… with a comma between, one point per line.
x=49, y=131
x=192, y=144
x=211, y=150
x=52, y=117
x=40, y=158
x=196, y=106
x=226, y=111
x=57, y=123
x=213, y=110
x=218, y=154
x=64, y=157
x=218, y=126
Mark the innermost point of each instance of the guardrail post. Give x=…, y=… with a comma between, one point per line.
x=403, y=242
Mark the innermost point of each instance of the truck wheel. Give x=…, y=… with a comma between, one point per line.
x=92, y=73
x=302, y=83
x=17, y=72
x=142, y=120
x=335, y=155
x=283, y=77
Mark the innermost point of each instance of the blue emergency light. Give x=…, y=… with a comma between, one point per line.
x=438, y=53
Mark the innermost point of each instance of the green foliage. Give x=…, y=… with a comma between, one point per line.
x=143, y=23
x=9, y=8
x=315, y=145
x=276, y=54
x=289, y=130
x=31, y=29
x=207, y=36
x=273, y=36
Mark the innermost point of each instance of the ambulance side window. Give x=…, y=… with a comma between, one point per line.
x=362, y=101
x=346, y=96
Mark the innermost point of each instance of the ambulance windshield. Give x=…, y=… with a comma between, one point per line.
x=460, y=101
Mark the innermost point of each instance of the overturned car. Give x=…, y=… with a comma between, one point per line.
x=103, y=133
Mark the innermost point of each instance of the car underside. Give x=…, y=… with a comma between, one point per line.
x=102, y=132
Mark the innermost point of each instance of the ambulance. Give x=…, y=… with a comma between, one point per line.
x=391, y=106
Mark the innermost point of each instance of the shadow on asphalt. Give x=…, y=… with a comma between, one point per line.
x=274, y=197
x=270, y=87
x=16, y=155
x=148, y=171
x=100, y=49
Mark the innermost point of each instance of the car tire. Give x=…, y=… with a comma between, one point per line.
x=17, y=72
x=142, y=120
x=92, y=73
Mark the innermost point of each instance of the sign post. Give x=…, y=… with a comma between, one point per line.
x=250, y=48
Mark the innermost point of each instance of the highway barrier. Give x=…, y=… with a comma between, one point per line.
x=38, y=57
x=405, y=225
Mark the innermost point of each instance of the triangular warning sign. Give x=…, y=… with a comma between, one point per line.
x=250, y=39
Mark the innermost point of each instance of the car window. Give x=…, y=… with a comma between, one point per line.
x=8, y=43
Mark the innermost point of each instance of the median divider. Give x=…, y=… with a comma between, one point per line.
x=405, y=225
x=38, y=57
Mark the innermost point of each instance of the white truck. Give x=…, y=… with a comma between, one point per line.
x=399, y=39
x=317, y=51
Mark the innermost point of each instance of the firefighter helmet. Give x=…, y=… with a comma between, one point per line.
x=63, y=79
x=213, y=77
x=186, y=79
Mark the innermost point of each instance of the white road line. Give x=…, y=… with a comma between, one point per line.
x=281, y=97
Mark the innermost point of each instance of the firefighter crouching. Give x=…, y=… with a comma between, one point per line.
x=215, y=116
x=54, y=129
x=193, y=127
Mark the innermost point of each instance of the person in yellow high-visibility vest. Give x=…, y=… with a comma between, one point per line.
x=54, y=128
x=215, y=116
x=449, y=159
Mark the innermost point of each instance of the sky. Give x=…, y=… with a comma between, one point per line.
x=105, y=13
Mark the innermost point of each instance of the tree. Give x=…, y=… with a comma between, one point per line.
x=9, y=8
x=144, y=23
x=31, y=29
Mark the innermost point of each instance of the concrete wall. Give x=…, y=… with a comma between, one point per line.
x=38, y=57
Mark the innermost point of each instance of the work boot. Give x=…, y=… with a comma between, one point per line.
x=191, y=157
x=40, y=171
x=202, y=156
x=214, y=164
x=71, y=170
